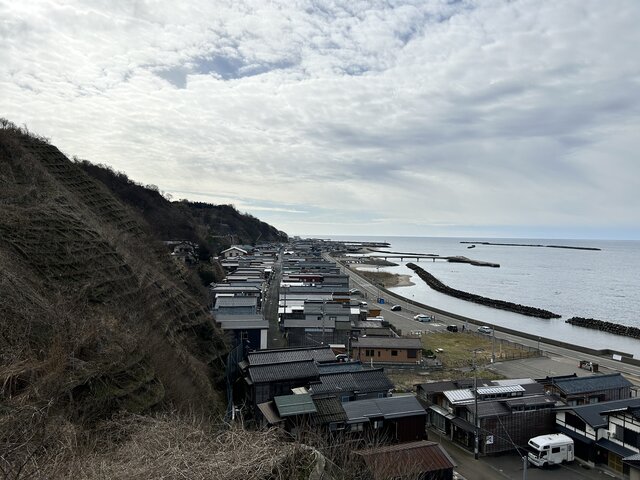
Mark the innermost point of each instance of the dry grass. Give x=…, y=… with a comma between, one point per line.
x=457, y=359
x=167, y=447
x=385, y=279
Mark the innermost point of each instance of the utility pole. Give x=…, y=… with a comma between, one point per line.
x=475, y=417
x=493, y=345
x=525, y=464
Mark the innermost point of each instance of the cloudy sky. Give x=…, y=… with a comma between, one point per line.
x=426, y=117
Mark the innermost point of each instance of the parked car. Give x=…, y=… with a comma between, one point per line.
x=452, y=328
x=354, y=291
x=363, y=304
x=421, y=317
x=485, y=330
x=396, y=308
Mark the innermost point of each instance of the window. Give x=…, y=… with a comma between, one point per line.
x=368, y=353
x=345, y=398
x=555, y=449
x=394, y=353
x=412, y=354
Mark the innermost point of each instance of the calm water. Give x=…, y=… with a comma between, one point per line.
x=595, y=284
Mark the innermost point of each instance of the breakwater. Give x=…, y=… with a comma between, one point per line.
x=437, y=285
x=609, y=327
x=534, y=245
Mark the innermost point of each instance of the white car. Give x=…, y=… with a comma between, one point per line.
x=485, y=330
x=421, y=317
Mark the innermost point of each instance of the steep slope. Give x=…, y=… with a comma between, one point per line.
x=214, y=227
x=94, y=317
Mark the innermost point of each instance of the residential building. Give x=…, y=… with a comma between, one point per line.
x=387, y=350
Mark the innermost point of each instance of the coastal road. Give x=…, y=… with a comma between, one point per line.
x=566, y=360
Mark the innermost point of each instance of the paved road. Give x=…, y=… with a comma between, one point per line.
x=566, y=360
x=510, y=466
x=275, y=338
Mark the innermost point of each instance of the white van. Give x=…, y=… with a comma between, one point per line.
x=550, y=449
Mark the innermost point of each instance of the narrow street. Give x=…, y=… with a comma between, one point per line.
x=270, y=308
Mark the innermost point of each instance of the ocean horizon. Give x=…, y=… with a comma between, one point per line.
x=601, y=284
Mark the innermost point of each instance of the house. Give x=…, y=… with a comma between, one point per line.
x=350, y=386
x=423, y=459
x=604, y=433
x=387, y=350
x=248, y=329
x=233, y=252
x=633, y=462
x=321, y=322
x=274, y=372
x=391, y=419
x=290, y=412
x=235, y=306
x=591, y=389
x=507, y=412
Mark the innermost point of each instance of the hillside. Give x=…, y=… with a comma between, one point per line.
x=213, y=227
x=95, y=318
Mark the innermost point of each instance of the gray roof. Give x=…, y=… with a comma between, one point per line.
x=222, y=288
x=285, y=355
x=293, y=370
x=363, y=381
x=329, y=410
x=593, y=383
x=592, y=413
x=388, y=408
x=387, y=342
x=242, y=324
x=531, y=401
x=335, y=367
x=230, y=317
x=303, y=323
x=489, y=408
x=236, y=302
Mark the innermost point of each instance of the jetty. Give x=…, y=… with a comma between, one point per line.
x=430, y=256
x=437, y=285
x=531, y=245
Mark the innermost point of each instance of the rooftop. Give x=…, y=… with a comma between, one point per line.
x=286, y=355
x=387, y=342
x=595, y=383
x=388, y=408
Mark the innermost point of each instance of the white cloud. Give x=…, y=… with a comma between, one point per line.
x=428, y=113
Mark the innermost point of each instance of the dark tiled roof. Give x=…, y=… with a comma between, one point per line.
x=387, y=342
x=490, y=408
x=592, y=413
x=329, y=410
x=406, y=460
x=593, y=383
x=614, y=447
x=389, y=407
x=285, y=355
x=363, y=381
x=273, y=373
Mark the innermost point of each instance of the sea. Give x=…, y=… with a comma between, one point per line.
x=602, y=284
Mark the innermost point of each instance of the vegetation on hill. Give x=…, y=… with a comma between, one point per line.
x=213, y=227
x=96, y=321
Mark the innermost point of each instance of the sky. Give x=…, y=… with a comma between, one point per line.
x=488, y=118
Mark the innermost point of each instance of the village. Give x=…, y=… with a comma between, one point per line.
x=314, y=354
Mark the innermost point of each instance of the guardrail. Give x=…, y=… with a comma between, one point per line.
x=606, y=352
